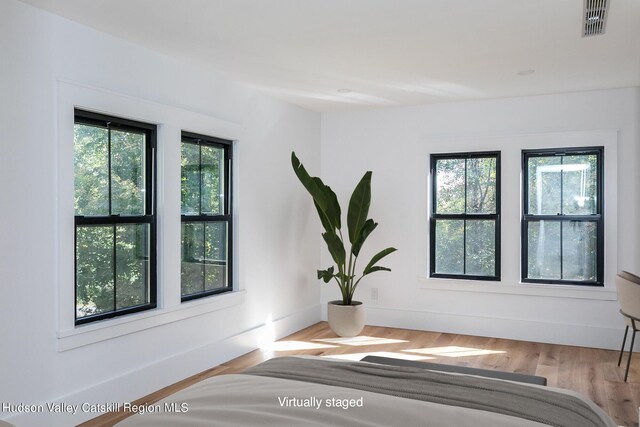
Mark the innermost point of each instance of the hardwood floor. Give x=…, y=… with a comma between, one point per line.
x=592, y=372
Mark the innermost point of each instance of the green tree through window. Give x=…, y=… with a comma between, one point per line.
x=206, y=216
x=465, y=216
x=114, y=218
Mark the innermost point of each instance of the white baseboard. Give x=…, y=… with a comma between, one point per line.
x=141, y=382
x=516, y=329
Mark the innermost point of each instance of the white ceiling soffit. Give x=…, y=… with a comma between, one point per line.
x=330, y=55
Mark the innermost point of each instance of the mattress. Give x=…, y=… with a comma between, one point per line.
x=294, y=391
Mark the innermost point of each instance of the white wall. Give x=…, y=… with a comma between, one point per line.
x=278, y=235
x=278, y=243
x=395, y=144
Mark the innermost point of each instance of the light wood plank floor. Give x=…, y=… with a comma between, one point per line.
x=592, y=372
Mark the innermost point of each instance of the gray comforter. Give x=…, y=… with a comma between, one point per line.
x=294, y=391
x=504, y=397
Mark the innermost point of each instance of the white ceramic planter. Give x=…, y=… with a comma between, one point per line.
x=345, y=320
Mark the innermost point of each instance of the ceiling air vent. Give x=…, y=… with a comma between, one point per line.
x=595, y=17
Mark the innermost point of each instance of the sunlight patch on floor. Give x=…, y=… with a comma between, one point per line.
x=454, y=351
x=360, y=340
x=295, y=345
x=359, y=356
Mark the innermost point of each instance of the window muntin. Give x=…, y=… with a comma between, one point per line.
x=465, y=217
x=206, y=216
x=562, y=222
x=115, y=265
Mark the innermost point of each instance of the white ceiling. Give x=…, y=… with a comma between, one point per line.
x=386, y=52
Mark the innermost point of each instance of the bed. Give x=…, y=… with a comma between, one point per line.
x=310, y=391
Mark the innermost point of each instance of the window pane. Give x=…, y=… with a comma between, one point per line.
x=192, y=257
x=132, y=265
x=127, y=173
x=450, y=186
x=91, y=169
x=449, y=246
x=212, y=180
x=481, y=248
x=216, y=255
x=544, y=185
x=544, y=250
x=579, y=250
x=94, y=270
x=579, y=184
x=190, y=189
x=481, y=185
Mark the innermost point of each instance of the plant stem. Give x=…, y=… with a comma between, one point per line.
x=349, y=280
x=355, y=261
x=342, y=290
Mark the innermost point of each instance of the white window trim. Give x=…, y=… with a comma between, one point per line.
x=510, y=147
x=171, y=121
x=111, y=328
x=519, y=288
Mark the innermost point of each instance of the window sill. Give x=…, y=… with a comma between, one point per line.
x=547, y=290
x=112, y=328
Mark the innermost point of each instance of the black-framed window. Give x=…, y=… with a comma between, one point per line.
x=562, y=216
x=465, y=216
x=115, y=221
x=207, y=218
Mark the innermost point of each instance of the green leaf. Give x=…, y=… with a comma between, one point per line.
x=359, y=207
x=323, y=219
x=309, y=183
x=377, y=257
x=326, y=275
x=367, y=228
x=332, y=210
x=336, y=249
x=322, y=194
x=378, y=268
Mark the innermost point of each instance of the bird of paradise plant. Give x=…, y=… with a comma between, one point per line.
x=359, y=228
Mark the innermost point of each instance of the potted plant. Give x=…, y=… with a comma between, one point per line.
x=346, y=316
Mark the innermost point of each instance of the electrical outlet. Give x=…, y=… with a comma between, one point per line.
x=374, y=293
